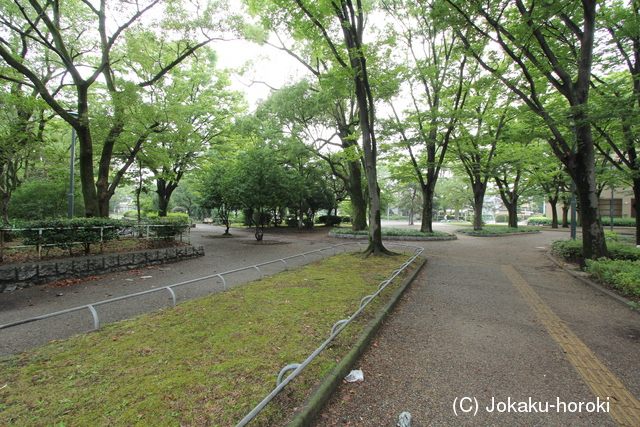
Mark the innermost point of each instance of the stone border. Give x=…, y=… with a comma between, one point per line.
x=414, y=238
x=611, y=294
x=319, y=396
x=19, y=276
x=524, y=233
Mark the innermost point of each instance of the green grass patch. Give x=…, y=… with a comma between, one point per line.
x=206, y=362
x=393, y=232
x=497, y=229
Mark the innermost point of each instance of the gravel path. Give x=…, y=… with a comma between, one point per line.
x=464, y=333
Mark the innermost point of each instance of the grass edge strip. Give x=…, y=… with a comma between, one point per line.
x=329, y=384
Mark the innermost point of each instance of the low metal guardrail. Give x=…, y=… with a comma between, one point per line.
x=281, y=382
x=337, y=328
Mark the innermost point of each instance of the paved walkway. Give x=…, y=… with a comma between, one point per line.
x=491, y=323
x=490, y=320
x=221, y=254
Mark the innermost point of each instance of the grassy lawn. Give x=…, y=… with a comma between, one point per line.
x=207, y=362
x=498, y=229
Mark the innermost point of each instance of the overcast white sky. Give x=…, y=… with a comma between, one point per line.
x=271, y=66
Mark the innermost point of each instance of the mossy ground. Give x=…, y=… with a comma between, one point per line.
x=207, y=362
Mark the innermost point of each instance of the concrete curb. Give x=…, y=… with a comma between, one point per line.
x=408, y=238
x=605, y=291
x=329, y=384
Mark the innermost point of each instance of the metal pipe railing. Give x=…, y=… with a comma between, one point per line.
x=91, y=307
x=337, y=328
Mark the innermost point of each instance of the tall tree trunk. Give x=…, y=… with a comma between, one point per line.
x=164, y=190
x=85, y=159
x=594, y=245
x=358, y=201
x=478, y=201
x=513, y=214
x=427, y=214
x=553, y=201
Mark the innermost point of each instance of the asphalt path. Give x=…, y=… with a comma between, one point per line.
x=222, y=254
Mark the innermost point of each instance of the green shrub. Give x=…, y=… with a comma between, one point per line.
x=623, y=275
x=539, y=220
x=130, y=214
x=169, y=227
x=505, y=218
x=571, y=250
x=619, y=222
x=623, y=251
x=330, y=219
x=64, y=233
x=496, y=230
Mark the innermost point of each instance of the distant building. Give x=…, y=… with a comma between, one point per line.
x=622, y=201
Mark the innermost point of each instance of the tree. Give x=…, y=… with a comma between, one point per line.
x=546, y=48
x=87, y=43
x=478, y=136
x=217, y=189
x=517, y=155
x=262, y=184
x=410, y=200
x=194, y=110
x=336, y=28
x=435, y=75
x=22, y=123
x=617, y=115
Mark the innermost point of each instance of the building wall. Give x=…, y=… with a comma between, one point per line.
x=622, y=203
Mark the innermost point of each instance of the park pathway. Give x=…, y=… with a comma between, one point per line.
x=493, y=333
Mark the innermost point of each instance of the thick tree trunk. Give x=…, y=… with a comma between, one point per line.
x=479, y=189
x=583, y=173
x=164, y=190
x=510, y=201
x=478, y=201
x=565, y=214
x=4, y=207
x=427, y=208
x=358, y=201
x=85, y=159
x=513, y=214
x=553, y=201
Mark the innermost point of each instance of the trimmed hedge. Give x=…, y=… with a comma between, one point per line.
x=539, y=220
x=571, y=250
x=489, y=230
x=505, y=218
x=168, y=228
x=65, y=233
x=617, y=222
